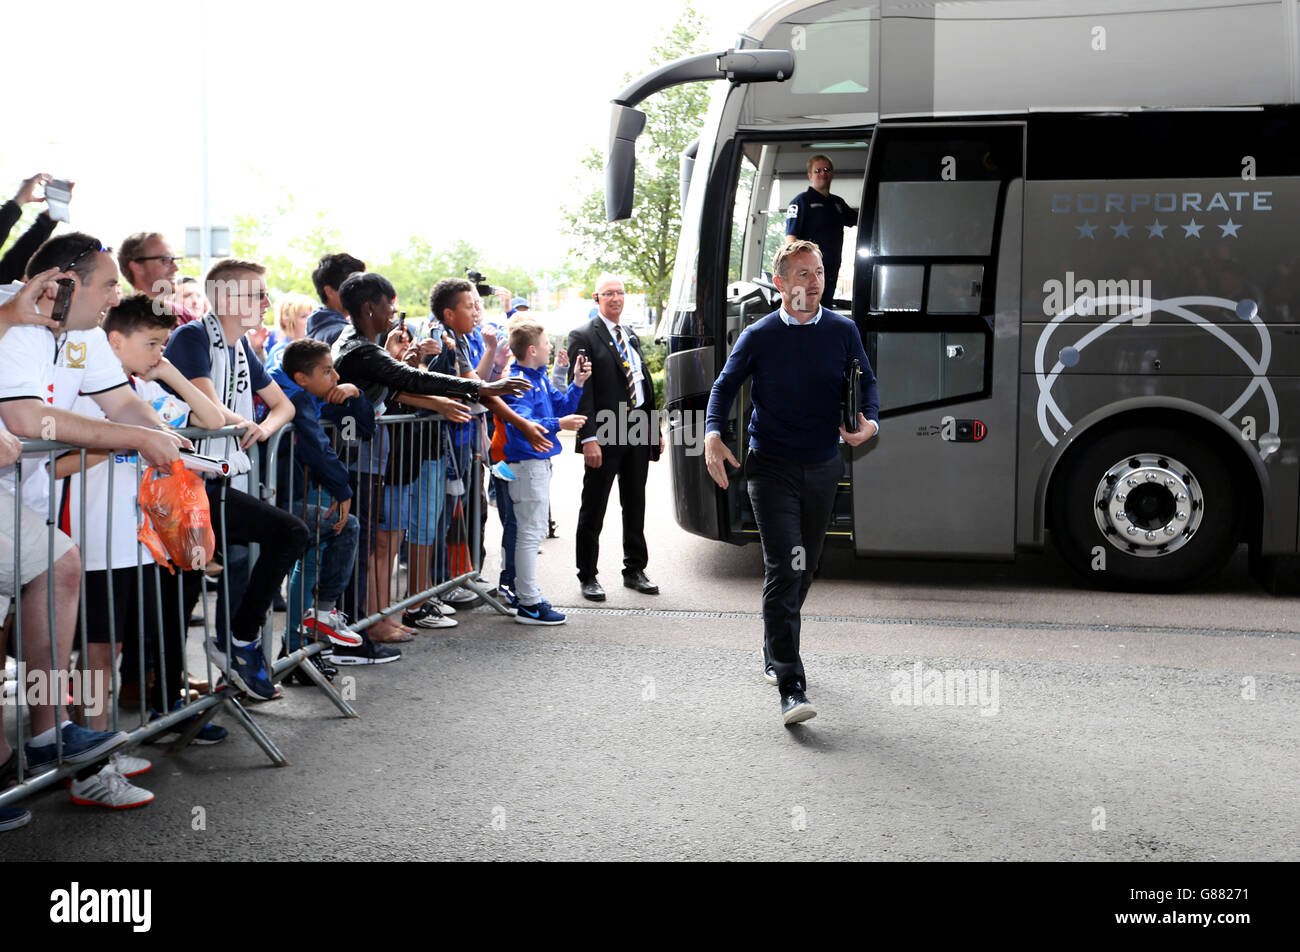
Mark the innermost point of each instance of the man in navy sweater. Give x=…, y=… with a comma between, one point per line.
x=797, y=356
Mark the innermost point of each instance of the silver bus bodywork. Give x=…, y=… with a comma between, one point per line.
x=1140, y=278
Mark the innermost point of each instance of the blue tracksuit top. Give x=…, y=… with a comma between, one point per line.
x=543, y=404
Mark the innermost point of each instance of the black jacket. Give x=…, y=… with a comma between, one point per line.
x=376, y=373
x=15, y=260
x=606, y=391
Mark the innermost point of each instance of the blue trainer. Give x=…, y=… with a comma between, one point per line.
x=13, y=817
x=211, y=733
x=80, y=746
x=247, y=669
x=540, y=614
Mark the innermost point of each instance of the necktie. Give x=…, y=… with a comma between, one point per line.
x=624, y=351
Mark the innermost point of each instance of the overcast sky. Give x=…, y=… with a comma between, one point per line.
x=441, y=120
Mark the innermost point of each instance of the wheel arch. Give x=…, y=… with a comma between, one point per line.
x=1243, y=461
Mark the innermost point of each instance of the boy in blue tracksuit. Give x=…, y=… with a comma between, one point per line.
x=530, y=490
x=305, y=371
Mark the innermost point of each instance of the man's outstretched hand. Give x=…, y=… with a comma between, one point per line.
x=505, y=387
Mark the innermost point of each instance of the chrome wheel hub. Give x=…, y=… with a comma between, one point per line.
x=1149, y=505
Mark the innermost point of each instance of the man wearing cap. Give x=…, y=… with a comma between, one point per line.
x=818, y=216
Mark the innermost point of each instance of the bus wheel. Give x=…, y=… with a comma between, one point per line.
x=1145, y=508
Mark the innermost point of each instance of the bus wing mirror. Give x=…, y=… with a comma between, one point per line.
x=735, y=66
x=620, y=168
x=688, y=166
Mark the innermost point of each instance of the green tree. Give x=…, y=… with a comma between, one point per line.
x=414, y=269
x=643, y=247
x=252, y=237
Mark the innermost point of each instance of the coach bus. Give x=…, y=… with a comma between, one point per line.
x=1075, y=265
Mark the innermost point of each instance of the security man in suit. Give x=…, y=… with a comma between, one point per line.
x=619, y=440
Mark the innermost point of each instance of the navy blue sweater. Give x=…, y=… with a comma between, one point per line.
x=796, y=391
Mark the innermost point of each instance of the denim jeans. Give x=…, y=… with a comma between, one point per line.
x=367, y=506
x=792, y=504
x=506, y=510
x=334, y=563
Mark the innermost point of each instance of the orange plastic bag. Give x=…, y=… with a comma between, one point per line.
x=177, y=524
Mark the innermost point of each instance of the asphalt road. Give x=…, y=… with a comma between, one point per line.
x=1109, y=726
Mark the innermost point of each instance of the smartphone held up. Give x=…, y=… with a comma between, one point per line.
x=58, y=192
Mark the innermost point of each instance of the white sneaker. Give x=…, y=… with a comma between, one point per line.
x=426, y=616
x=128, y=765
x=460, y=596
x=441, y=606
x=332, y=625
x=108, y=788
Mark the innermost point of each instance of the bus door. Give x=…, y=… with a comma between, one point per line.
x=936, y=297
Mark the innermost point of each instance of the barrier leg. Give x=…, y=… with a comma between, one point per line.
x=260, y=736
x=299, y=659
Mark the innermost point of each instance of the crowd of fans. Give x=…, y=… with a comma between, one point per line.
x=355, y=490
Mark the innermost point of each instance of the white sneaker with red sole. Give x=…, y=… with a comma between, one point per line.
x=332, y=625
x=108, y=788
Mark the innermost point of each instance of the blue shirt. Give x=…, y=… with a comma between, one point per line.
x=798, y=373
x=544, y=404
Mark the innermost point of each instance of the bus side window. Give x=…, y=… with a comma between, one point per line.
x=933, y=196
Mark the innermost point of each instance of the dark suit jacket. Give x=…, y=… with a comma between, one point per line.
x=607, y=388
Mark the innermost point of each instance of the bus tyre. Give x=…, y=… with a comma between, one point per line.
x=1144, y=509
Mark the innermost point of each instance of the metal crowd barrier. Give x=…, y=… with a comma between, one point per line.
x=418, y=461
x=403, y=480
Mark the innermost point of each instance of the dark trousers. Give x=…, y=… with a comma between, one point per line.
x=133, y=623
x=630, y=465
x=792, y=505
x=282, y=538
x=509, y=532
x=180, y=594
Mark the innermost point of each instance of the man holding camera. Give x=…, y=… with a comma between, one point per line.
x=54, y=353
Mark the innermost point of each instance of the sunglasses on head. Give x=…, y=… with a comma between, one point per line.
x=88, y=250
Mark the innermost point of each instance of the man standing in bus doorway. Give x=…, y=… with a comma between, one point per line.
x=820, y=217
x=619, y=440
x=797, y=356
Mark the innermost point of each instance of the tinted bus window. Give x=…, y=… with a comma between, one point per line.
x=936, y=218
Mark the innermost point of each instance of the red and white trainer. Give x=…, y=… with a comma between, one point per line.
x=332, y=625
